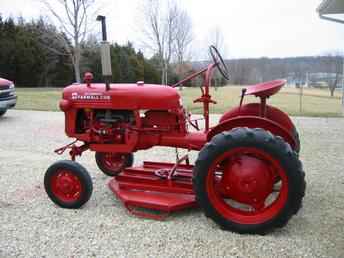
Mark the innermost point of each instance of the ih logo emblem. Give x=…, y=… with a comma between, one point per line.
x=90, y=96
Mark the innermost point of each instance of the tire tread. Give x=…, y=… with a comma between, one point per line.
x=268, y=141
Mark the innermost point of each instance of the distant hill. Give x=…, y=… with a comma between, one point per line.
x=253, y=70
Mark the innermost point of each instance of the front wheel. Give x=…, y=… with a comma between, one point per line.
x=112, y=164
x=68, y=184
x=234, y=181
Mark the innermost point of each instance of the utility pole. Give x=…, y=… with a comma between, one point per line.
x=300, y=100
x=343, y=87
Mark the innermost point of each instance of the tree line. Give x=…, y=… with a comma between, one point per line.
x=32, y=56
x=298, y=70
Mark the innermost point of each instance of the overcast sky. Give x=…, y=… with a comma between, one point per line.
x=272, y=28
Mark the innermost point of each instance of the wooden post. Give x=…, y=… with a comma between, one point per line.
x=300, y=101
x=343, y=88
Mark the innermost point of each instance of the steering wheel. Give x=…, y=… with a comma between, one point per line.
x=217, y=58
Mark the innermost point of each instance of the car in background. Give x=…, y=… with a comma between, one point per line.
x=8, y=97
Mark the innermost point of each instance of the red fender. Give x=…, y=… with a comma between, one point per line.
x=253, y=109
x=253, y=122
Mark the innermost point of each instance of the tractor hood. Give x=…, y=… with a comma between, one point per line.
x=121, y=96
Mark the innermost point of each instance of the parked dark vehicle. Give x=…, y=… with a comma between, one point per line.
x=8, y=97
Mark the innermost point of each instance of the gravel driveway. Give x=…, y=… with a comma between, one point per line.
x=32, y=226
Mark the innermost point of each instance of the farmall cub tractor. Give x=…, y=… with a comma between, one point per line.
x=247, y=177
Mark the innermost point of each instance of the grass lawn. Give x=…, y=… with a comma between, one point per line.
x=46, y=99
x=316, y=102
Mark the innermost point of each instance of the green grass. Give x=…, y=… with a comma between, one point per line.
x=316, y=102
x=46, y=99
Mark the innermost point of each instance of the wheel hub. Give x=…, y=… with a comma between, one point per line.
x=66, y=186
x=114, y=161
x=247, y=180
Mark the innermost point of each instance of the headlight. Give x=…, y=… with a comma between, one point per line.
x=11, y=86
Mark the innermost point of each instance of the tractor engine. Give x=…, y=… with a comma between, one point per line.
x=163, y=120
x=104, y=125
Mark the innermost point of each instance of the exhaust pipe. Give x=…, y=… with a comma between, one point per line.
x=105, y=54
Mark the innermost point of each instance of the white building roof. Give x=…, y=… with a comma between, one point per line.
x=331, y=7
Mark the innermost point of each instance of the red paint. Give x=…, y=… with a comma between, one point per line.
x=88, y=77
x=252, y=109
x=113, y=161
x=65, y=105
x=271, y=113
x=131, y=117
x=246, y=186
x=253, y=122
x=160, y=119
x=123, y=96
x=265, y=89
x=140, y=187
x=66, y=186
x=247, y=179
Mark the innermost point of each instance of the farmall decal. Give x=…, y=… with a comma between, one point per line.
x=90, y=96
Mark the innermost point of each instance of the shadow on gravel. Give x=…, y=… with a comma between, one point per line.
x=4, y=204
x=7, y=118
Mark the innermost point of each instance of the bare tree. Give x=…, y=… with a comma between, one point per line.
x=334, y=63
x=182, y=44
x=161, y=29
x=73, y=21
x=184, y=36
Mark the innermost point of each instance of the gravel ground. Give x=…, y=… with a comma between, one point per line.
x=32, y=226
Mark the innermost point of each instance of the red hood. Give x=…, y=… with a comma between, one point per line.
x=4, y=82
x=124, y=96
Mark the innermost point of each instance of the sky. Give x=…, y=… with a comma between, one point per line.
x=265, y=28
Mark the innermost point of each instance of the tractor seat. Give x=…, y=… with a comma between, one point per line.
x=265, y=89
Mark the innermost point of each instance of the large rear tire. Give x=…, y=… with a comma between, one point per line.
x=234, y=181
x=297, y=141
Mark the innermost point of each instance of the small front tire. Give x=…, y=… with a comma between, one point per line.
x=68, y=184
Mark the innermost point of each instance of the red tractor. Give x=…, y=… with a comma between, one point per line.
x=247, y=177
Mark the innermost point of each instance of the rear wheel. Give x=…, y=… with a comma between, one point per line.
x=68, y=184
x=235, y=181
x=112, y=164
x=297, y=141
x=2, y=112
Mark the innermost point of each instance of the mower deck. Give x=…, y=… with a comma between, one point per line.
x=151, y=191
